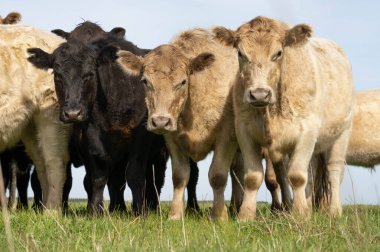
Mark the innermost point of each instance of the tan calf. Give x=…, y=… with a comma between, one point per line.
x=188, y=86
x=295, y=98
x=29, y=109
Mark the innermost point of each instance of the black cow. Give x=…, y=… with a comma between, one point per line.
x=108, y=107
x=16, y=167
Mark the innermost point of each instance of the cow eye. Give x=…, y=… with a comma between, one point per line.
x=147, y=83
x=179, y=85
x=277, y=55
x=242, y=56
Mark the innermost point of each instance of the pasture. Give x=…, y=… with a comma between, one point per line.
x=357, y=230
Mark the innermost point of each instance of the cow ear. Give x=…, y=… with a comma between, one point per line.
x=40, y=58
x=12, y=18
x=130, y=63
x=298, y=35
x=118, y=32
x=61, y=33
x=224, y=35
x=201, y=62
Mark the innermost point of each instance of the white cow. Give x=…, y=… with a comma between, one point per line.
x=29, y=109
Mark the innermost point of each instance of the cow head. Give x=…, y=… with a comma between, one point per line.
x=166, y=74
x=89, y=31
x=261, y=44
x=11, y=18
x=75, y=78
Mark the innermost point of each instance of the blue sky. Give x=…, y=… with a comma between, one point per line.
x=352, y=24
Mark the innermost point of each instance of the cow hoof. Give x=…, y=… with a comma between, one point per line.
x=301, y=213
x=54, y=213
x=175, y=217
x=335, y=212
x=218, y=215
x=246, y=214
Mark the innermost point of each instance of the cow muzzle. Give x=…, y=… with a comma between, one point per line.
x=161, y=124
x=69, y=115
x=259, y=97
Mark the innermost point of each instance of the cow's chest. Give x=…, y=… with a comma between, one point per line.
x=279, y=136
x=108, y=146
x=193, y=147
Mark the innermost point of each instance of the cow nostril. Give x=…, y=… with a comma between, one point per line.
x=66, y=114
x=154, y=123
x=78, y=113
x=260, y=95
x=161, y=122
x=168, y=122
x=268, y=96
x=252, y=95
x=73, y=114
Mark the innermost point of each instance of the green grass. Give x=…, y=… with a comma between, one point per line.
x=357, y=230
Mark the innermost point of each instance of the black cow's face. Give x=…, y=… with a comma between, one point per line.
x=74, y=68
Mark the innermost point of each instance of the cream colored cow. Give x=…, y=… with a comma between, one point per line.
x=188, y=86
x=29, y=109
x=364, y=145
x=295, y=97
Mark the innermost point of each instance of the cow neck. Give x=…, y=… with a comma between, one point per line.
x=118, y=102
x=272, y=113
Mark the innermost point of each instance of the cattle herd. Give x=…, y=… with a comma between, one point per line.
x=267, y=90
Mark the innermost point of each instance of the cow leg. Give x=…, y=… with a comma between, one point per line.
x=152, y=192
x=5, y=168
x=282, y=178
x=271, y=183
x=67, y=187
x=88, y=189
x=22, y=187
x=237, y=180
x=298, y=170
x=98, y=176
x=54, y=142
x=180, y=177
x=32, y=146
x=254, y=173
x=335, y=166
x=155, y=177
x=139, y=152
x=155, y=171
x=221, y=162
x=116, y=186
x=192, y=202
x=37, y=191
x=12, y=204
x=136, y=180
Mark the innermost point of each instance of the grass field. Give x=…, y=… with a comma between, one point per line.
x=357, y=230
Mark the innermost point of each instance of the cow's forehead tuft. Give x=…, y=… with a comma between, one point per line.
x=165, y=59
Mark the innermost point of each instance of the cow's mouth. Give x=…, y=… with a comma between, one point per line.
x=259, y=104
